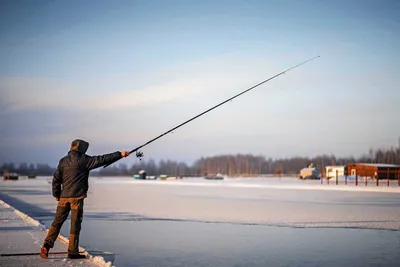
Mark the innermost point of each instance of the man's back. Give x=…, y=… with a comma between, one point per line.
x=72, y=174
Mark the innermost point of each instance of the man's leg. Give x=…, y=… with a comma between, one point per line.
x=63, y=209
x=76, y=222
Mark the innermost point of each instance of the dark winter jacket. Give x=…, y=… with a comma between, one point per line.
x=72, y=174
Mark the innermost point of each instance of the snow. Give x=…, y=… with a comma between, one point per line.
x=37, y=231
x=378, y=165
x=22, y=234
x=268, y=183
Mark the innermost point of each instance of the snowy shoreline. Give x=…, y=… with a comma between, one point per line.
x=98, y=260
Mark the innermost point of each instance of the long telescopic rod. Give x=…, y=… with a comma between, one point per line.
x=220, y=104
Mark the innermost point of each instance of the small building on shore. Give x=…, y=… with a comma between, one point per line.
x=309, y=173
x=373, y=170
x=10, y=175
x=330, y=171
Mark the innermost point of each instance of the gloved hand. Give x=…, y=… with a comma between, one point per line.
x=124, y=154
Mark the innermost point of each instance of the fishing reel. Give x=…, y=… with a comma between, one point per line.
x=139, y=154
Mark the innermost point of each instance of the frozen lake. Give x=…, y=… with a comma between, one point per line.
x=239, y=222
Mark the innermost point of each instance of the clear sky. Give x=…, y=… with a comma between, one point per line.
x=118, y=73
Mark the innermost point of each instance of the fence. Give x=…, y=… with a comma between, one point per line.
x=381, y=177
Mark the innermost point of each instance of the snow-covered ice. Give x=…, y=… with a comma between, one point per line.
x=248, y=221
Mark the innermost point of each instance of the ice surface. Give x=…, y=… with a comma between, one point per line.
x=198, y=222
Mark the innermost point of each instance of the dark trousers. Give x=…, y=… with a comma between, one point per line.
x=65, y=205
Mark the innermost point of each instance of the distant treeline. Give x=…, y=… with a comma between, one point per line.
x=232, y=165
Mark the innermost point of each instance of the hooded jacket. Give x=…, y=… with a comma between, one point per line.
x=72, y=173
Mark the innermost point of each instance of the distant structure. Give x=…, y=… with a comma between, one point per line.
x=330, y=171
x=309, y=173
x=10, y=175
x=218, y=176
x=141, y=175
x=378, y=170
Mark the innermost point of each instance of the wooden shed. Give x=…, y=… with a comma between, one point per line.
x=382, y=171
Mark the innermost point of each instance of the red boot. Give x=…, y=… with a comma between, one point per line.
x=44, y=252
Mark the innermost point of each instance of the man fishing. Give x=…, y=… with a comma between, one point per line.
x=70, y=186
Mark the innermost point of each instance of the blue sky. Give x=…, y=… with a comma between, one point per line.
x=118, y=73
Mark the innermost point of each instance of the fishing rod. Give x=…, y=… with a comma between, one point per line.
x=35, y=253
x=140, y=154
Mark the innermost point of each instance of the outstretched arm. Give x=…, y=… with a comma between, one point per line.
x=56, y=184
x=94, y=162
